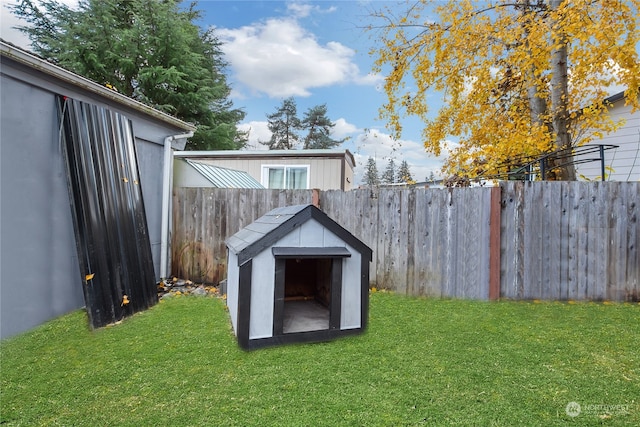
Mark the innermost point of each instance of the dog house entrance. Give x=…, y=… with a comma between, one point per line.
x=308, y=289
x=307, y=295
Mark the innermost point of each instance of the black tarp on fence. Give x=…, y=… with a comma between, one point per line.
x=114, y=251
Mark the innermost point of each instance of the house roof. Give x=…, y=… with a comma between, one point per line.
x=21, y=56
x=264, y=154
x=271, y=227
x=224, y=177
x=618, y=96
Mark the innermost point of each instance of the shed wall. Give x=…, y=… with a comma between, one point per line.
x=39, y=273
x=184, y=175
x=325, y=173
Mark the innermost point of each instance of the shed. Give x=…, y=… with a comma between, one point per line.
x=295, y=275
x=40, y=273
x=277, y=169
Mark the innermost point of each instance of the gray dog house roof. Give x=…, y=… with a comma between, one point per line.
x=271, y=227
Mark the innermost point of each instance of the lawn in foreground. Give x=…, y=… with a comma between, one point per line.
x=421, y=362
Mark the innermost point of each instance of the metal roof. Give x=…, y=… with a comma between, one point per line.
x=263, y=154
x=271, y=227
x=223, y=177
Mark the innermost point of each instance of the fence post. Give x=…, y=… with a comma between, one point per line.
x=315, y=198
x=494, y=243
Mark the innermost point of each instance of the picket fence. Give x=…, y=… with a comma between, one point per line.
x=533, y=240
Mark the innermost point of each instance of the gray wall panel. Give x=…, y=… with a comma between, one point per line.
x=39, y=275
x=150, y=164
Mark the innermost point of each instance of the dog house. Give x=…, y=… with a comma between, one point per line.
x=295, y=275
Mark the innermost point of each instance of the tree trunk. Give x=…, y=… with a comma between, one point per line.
x=562, y=169
x=537, y=102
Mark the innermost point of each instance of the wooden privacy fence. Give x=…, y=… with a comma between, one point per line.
x=540, y=240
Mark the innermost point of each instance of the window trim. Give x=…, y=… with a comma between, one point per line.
x=264, y=173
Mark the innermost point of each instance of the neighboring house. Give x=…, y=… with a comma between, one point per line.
x=622, y=163
x=39, y=268
x=290, y=169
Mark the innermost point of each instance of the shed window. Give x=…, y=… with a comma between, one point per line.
x=285, y=177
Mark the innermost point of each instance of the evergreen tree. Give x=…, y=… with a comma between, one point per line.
x=389, y=174
x=370, y=178
x=404, y=173
x=150, y=51
x=284, y=125
x=319, y=127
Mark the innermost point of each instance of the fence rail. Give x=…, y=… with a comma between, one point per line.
x=545, y=240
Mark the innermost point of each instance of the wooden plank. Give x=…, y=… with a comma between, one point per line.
x=601, y=240
x=581, y=221
x=632, y=270
x=563, y=237
x=507, y=252
x=552, y=239
x=494, y=244
x=412, y=244
x=533, y=243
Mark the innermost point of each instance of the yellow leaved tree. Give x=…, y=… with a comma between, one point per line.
x=519, y=78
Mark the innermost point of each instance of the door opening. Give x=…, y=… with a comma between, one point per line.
x=307, y=294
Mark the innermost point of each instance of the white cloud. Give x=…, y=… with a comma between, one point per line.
x=342, y=129
x=258, y=131
x=302, y=10
x=280, y=58
x=9, y=21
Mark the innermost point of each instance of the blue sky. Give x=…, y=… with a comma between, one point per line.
x=317, y=52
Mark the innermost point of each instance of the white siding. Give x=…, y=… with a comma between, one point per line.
x=625, y=160
x=262, y=293
x=233, y=279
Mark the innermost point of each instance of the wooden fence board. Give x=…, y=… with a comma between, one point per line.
x=570, y=240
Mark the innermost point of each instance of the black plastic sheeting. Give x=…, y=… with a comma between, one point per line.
x=114, y=251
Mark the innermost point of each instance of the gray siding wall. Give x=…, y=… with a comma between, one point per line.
x=39, y=274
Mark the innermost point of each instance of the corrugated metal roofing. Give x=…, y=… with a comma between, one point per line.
x=112, y=238
x=223, y=177
x=267, y=154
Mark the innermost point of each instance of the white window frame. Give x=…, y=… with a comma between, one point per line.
x=264, y=173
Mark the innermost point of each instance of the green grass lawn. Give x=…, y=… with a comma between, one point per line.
x=421, y=362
